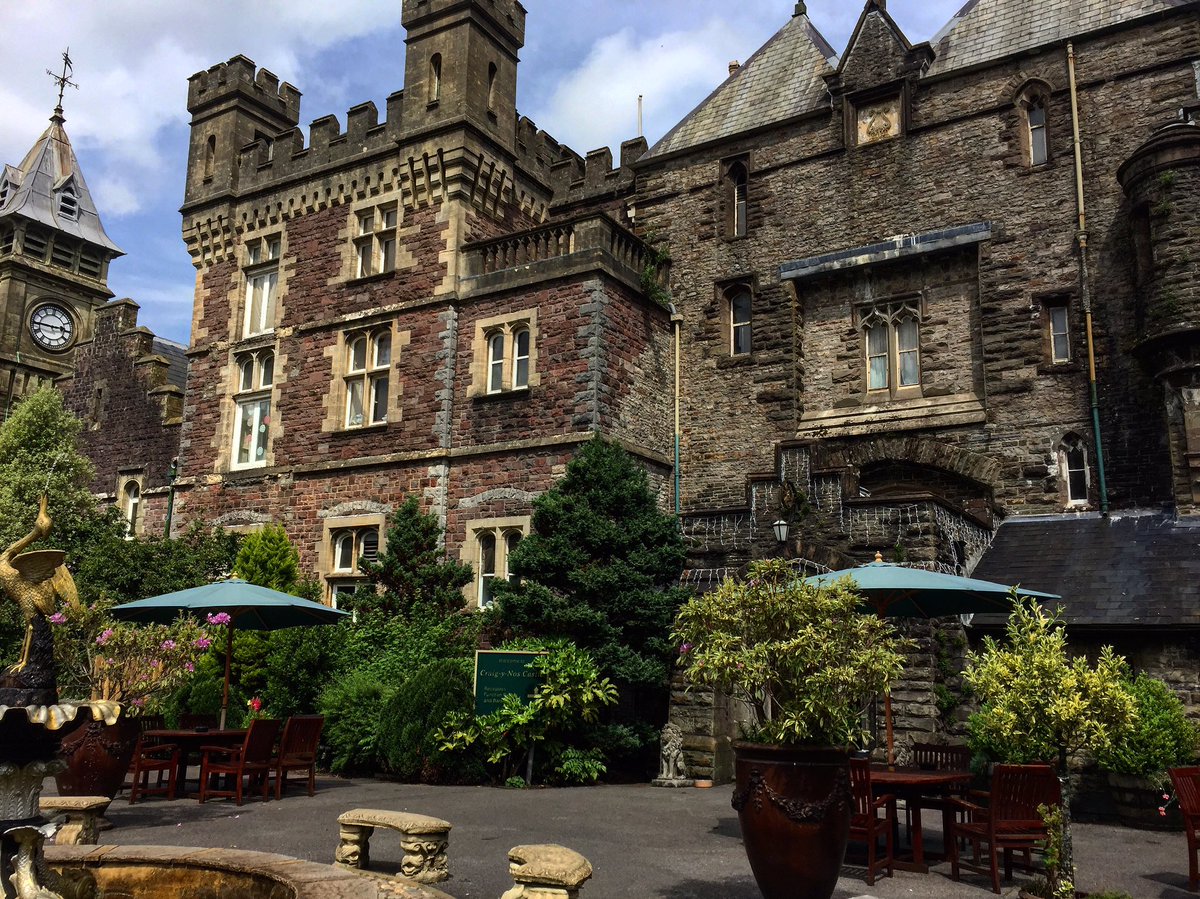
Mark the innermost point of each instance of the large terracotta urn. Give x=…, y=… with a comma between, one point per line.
x=794, y=805
x=97, y=757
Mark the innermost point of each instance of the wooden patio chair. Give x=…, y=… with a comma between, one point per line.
x=151, y=756
x=1186, y=782
x=865, y=823
x=1009, y=822
x=249, y=762
x=298, y=751
x=940, y=757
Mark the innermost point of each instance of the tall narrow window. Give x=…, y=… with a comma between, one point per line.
x=491, y=95
x=1060, y=333
x=741, y=338
x=737, y=183
x=252, y=418
x=210, y=155
x=908, y=348
x=133, y=505
x=375, y=240
x=435, y=77
x=521, y=359
x=262, y=281
x=1038, y=147
x=877, y=357
x=368, y=367
x=495, y=363
x=487, y=568
x=1073, y=469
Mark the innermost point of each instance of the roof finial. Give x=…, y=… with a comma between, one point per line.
x=63, y=81
x=878, y=556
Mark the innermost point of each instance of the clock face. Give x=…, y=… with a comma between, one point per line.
x=52, y=326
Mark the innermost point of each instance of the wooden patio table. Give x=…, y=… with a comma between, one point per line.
x=910, y=784
x=189, y=743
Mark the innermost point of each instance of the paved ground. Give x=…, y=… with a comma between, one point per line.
x=644, y=842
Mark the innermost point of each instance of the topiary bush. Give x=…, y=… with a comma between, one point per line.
x=353, y=707
x=407, y=746
x=1162, y=737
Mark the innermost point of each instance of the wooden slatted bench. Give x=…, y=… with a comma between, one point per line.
x=424, y=841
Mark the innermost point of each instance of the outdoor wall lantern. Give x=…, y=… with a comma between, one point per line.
x=780, y=528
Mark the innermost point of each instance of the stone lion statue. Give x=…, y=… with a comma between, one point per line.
x=671, y=765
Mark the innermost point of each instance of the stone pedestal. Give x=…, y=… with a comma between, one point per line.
x=546, y=871
x=83, y=813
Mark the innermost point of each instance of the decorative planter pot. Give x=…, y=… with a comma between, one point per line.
x=97, y=757
x=1138, y=799
x=794, y=805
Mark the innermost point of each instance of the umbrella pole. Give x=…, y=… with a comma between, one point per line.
x=887, y=714
x=229, y=657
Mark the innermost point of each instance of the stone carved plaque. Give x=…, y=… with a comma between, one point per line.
x=879, y=120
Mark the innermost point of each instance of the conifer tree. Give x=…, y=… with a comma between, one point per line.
x=268, y=559
x=601, y=568
x=414, y=569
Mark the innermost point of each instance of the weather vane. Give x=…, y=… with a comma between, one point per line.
x=64, y=80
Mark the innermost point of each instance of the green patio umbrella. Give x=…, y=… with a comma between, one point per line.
x=248, y=606
x=897, y=591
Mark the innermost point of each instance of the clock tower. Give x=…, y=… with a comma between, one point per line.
x=54, y=258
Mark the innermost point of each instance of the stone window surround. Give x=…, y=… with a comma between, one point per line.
x=339, y=356
x=377, y=238
x=891, y=311
x=331, y=529
x=500, y=528
x=728, y=291
x=1032, y=94
x=126, y=477
x=233, y=376
x=246, y=270
x=508, y=325
x=1072, y=441
x=1046, y=305
x=736, y=208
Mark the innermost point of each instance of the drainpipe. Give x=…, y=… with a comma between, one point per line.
x=170, y=496
x=677, y=325
x=1084, y=281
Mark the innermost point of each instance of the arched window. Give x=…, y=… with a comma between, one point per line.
x=739, y=182
x=521, y=359
x=741, y=326
x=133, y=507
x=1033, y=104
x=343, y=552
x=252, y=417
x=892, y=347
x=495, y=363
x=435, y=78
x=1036, y=118
x=1073, y=470
x=210, y=156
x=368, y=371
x=487, y=568
x=491, y=94
x=511, y=540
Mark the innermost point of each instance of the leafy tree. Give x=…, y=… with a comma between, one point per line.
x=414, y=569
x=1039, y=704
x=268, y=559
x=601, y=569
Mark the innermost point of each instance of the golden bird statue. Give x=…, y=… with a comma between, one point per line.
x=37, y=581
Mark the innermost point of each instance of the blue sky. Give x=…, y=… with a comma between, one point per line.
x=584, y=64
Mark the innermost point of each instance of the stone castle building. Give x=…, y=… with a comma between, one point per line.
x=931, y=299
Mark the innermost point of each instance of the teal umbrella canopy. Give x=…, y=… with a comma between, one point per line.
x=250, y=607
x=895, y=591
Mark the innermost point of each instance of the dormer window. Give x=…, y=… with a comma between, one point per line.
x=68, y=203
x=6, y=190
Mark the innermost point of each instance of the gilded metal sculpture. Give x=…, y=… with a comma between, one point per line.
x=37, y=581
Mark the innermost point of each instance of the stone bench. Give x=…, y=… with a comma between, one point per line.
x=546, y=871
x=83, y=817
x=423, y=840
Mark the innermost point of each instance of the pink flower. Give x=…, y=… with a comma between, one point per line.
x=255, y=704
x=1166, y=795
x=219, y=619
x=167, y=644
x=1162, y=811
x=138, y=703
x=189, y=667
x=685, y=649
x=202, y=643
x=103, y=638
x=58, y=618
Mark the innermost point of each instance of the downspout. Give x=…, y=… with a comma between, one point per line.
x=170, y=497
x=1085, y=282
x=676, y=325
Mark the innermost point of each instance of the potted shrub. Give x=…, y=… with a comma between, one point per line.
x=1137, y=762
x=1038, y=704
x=806, y=663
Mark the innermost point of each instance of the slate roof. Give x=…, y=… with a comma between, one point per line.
x=47, y=168
x=985, y=30
x=1117, y=572
x=781, y=80
x=176, y=355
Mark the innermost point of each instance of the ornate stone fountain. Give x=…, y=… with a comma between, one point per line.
x=31, y=716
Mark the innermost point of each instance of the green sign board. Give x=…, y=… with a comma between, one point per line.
x=499, y=673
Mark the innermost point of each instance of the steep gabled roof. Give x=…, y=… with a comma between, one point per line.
x=985, y=30
x=783, y=79
x=48, y=168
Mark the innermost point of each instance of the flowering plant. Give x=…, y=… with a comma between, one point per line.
x=99, y=657
x=254, y=708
